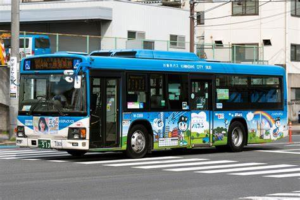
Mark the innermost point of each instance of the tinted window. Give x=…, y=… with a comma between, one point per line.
x=136, y=91
x=178, y=92
x=42, y=43
x=157, y=92
x=22, y=43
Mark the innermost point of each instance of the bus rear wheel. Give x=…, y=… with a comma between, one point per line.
x=76, y=153
x=137, y=142
x=236, y=137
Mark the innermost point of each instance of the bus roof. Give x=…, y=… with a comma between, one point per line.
x=140, y=63
x=147, y=54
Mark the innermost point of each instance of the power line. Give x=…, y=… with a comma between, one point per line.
x=248, y=20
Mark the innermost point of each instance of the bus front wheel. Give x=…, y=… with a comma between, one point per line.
x=236, y=137
x=137, y=142
x=76, y=153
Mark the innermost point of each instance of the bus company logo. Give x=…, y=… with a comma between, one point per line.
x=188, y=66
x=277, y=114
x=170, y=65
x=66, y=121
x=220, y=115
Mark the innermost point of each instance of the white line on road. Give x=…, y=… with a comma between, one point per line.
x=244, y=169
x=154, y=162
x=32, y=153
x=57, y=161
x=285, y=194
x=35, y=156
x=284, y=175
x=127, y=160
x=185, y=164
x=279, y=151
x=267, y=172
x=212, y=167
x=269, y=198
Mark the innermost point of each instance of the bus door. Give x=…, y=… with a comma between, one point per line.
x=201, y=110
x=104, y=109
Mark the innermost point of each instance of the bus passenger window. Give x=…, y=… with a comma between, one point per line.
x=157, y=91
x=200, y=95
x=178, y=92
x=136, y=92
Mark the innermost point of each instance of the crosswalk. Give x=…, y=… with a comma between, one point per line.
x=295, y=195
x=174, y=164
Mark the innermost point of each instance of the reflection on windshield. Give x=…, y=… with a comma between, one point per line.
x=51, y=94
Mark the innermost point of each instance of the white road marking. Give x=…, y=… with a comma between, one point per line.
x=35, y=156
x=280, y=151
x=57, y=161
x=244, y=169
x=154, y=162
x=284, y=175
x=267, y=172
x=185, y=164
x=269, y=198
x=285, y=194
x=127, y=160
x=213, y=167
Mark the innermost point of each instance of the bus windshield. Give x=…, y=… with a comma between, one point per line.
x=52, y=95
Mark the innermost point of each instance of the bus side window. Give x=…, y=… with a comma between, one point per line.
x=136, y=92
x=178, y=92
x=157, y=92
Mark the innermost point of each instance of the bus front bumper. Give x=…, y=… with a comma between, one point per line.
x=54, y=144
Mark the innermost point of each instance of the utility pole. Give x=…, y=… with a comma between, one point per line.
x=192, y=26
x=14, y=64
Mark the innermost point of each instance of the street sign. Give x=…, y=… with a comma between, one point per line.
x=13, y=78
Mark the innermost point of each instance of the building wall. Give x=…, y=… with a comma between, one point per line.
x=4, y=99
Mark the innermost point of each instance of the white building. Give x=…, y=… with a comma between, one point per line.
x=109, y=19
x=272, y=29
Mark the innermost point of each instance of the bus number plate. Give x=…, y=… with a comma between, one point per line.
x=44, y=144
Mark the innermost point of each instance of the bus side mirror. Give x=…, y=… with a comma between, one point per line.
x=77, y=82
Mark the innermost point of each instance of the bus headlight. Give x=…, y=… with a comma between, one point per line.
x=21, y=131
x=77, y=133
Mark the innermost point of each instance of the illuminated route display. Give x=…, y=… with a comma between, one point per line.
x=52, y=63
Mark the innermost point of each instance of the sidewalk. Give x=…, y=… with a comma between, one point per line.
x=4, y=141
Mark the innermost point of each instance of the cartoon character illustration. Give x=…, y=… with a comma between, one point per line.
x=182, y=128
x=158, y=126
x=276, y=131
x=219, y=136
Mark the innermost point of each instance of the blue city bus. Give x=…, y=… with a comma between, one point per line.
x=138, y=101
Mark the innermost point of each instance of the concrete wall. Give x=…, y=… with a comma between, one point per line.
x=4, y=99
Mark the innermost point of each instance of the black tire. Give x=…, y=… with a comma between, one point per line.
x=76, y=153
x=140, y=136
x=236, y=137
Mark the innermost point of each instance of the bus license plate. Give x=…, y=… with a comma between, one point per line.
x=44, y=144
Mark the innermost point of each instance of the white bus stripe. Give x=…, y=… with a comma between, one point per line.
x=127, y=160
x=284, y=175
x=285, y=194
x=154, y=162
x=184, y=164
x=267, y=172
x=213, y=167
x=244, y=169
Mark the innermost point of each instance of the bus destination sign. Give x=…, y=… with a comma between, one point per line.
x=52, y=63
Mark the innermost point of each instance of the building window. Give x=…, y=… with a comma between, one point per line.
x=245, y=53
x=295, y=52
x=245, y=7
x=136, y=35
x=177, y=41
x=200, y=18
x=148, y=45
x=295, y=8
x=295, y=94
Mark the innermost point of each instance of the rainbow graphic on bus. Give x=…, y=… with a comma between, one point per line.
x=265, y=116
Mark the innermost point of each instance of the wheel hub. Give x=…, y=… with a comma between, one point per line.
x=138, y=141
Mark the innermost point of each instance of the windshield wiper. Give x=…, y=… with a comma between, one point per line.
x=58, y=108
x=36, y=105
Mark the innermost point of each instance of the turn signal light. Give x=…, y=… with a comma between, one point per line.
x=83, y=133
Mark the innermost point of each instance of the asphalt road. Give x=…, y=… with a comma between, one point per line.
x=269, y=171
